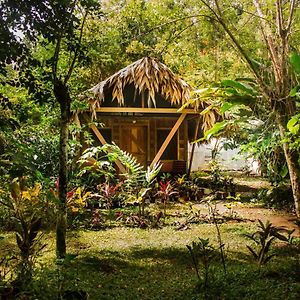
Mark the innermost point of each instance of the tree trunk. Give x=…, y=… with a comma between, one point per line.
x=63, y=97
x=292, y=160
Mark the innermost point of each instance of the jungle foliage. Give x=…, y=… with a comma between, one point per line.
x=247, y=90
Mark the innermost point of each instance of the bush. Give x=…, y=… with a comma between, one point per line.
x=278, y=197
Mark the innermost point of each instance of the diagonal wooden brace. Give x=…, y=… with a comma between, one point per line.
x=103, y=142
x=168, y=139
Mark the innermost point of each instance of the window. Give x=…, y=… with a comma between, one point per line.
x=106, y=133
x=172, y=149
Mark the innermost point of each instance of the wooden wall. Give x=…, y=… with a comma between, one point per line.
x=153, y=123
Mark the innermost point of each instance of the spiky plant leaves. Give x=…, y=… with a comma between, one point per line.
x=268, y=258
x=253, y=252
x=268, y=244
x=264, y=238
x=152, y=173
x=280, y=236
x=20, y=243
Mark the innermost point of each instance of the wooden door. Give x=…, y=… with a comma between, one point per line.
x=133, y=139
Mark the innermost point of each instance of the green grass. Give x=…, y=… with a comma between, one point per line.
x=132, y=263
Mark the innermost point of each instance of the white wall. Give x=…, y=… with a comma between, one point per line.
x=229, y=159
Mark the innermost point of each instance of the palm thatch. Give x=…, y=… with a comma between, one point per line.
x=148, y=76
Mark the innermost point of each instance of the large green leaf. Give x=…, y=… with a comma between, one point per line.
x=284, y=171
x=295, y=91
x=295, y=62
x=216, y=129
x=226, y=106
x=240, y=86
x=293, y=124
x=232, y=102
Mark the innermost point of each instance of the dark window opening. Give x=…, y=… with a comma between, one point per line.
x=107, y=135
x=172, y=149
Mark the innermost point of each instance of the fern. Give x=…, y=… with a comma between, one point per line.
x=137, y=181
x=135, y=173
x=152, y=173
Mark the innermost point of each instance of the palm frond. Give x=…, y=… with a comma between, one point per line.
x=147, y=75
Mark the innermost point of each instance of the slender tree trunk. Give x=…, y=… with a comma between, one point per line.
x=63, y=97
x=292, y=160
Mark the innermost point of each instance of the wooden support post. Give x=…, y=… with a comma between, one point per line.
x=193, y=147
x=168, y=139
x=103, y=142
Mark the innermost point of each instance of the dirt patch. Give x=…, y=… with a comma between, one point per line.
x=277, y=218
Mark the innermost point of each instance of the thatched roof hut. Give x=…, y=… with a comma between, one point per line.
x=141, y=84
x=139, y=107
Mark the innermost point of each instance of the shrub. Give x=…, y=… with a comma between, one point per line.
x=278, y=197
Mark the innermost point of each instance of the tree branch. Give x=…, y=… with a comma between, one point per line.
x=267, y=34
x=63, y=28
x=240, y=49
x=174, y=21
x=56, y=58
x=176, y=35
x=290, y=18
x=279, y=17
x=77, y=49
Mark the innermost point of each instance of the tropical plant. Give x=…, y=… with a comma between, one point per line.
x=97, y=220
x=187, y=188
x=213, y=213
x=59, y=28
x=136, y=181
x=26, y=207
x=109, y=194
x=278, y=197
x=202, y=252
x=147, y=185
x=166, y=190
x=96, y=166
x=264, y=237
x=6, y=276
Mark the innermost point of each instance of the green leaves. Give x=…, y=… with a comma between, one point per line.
x=295, y=62
x=239, y=88
x=264, y=238
x=233, y=97
x=295, y=91
x=216, y=129
x=293, y=124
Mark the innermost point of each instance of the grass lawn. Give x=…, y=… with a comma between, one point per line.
x=132, y=263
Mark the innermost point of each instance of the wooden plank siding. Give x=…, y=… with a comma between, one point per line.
x=152, y=123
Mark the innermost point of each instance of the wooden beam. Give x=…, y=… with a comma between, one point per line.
x=144, y=110
x=168, y=139
x=103, y=142
x=193, y=147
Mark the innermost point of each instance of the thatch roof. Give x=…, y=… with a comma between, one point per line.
x=148, y=76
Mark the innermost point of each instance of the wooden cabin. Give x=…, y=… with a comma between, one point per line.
x=139, y=107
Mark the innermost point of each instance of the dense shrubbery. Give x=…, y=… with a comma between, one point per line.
x=140, y=199
x=99, y=198
x=278, y=197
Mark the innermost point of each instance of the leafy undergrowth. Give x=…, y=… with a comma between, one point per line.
x=134, y=263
